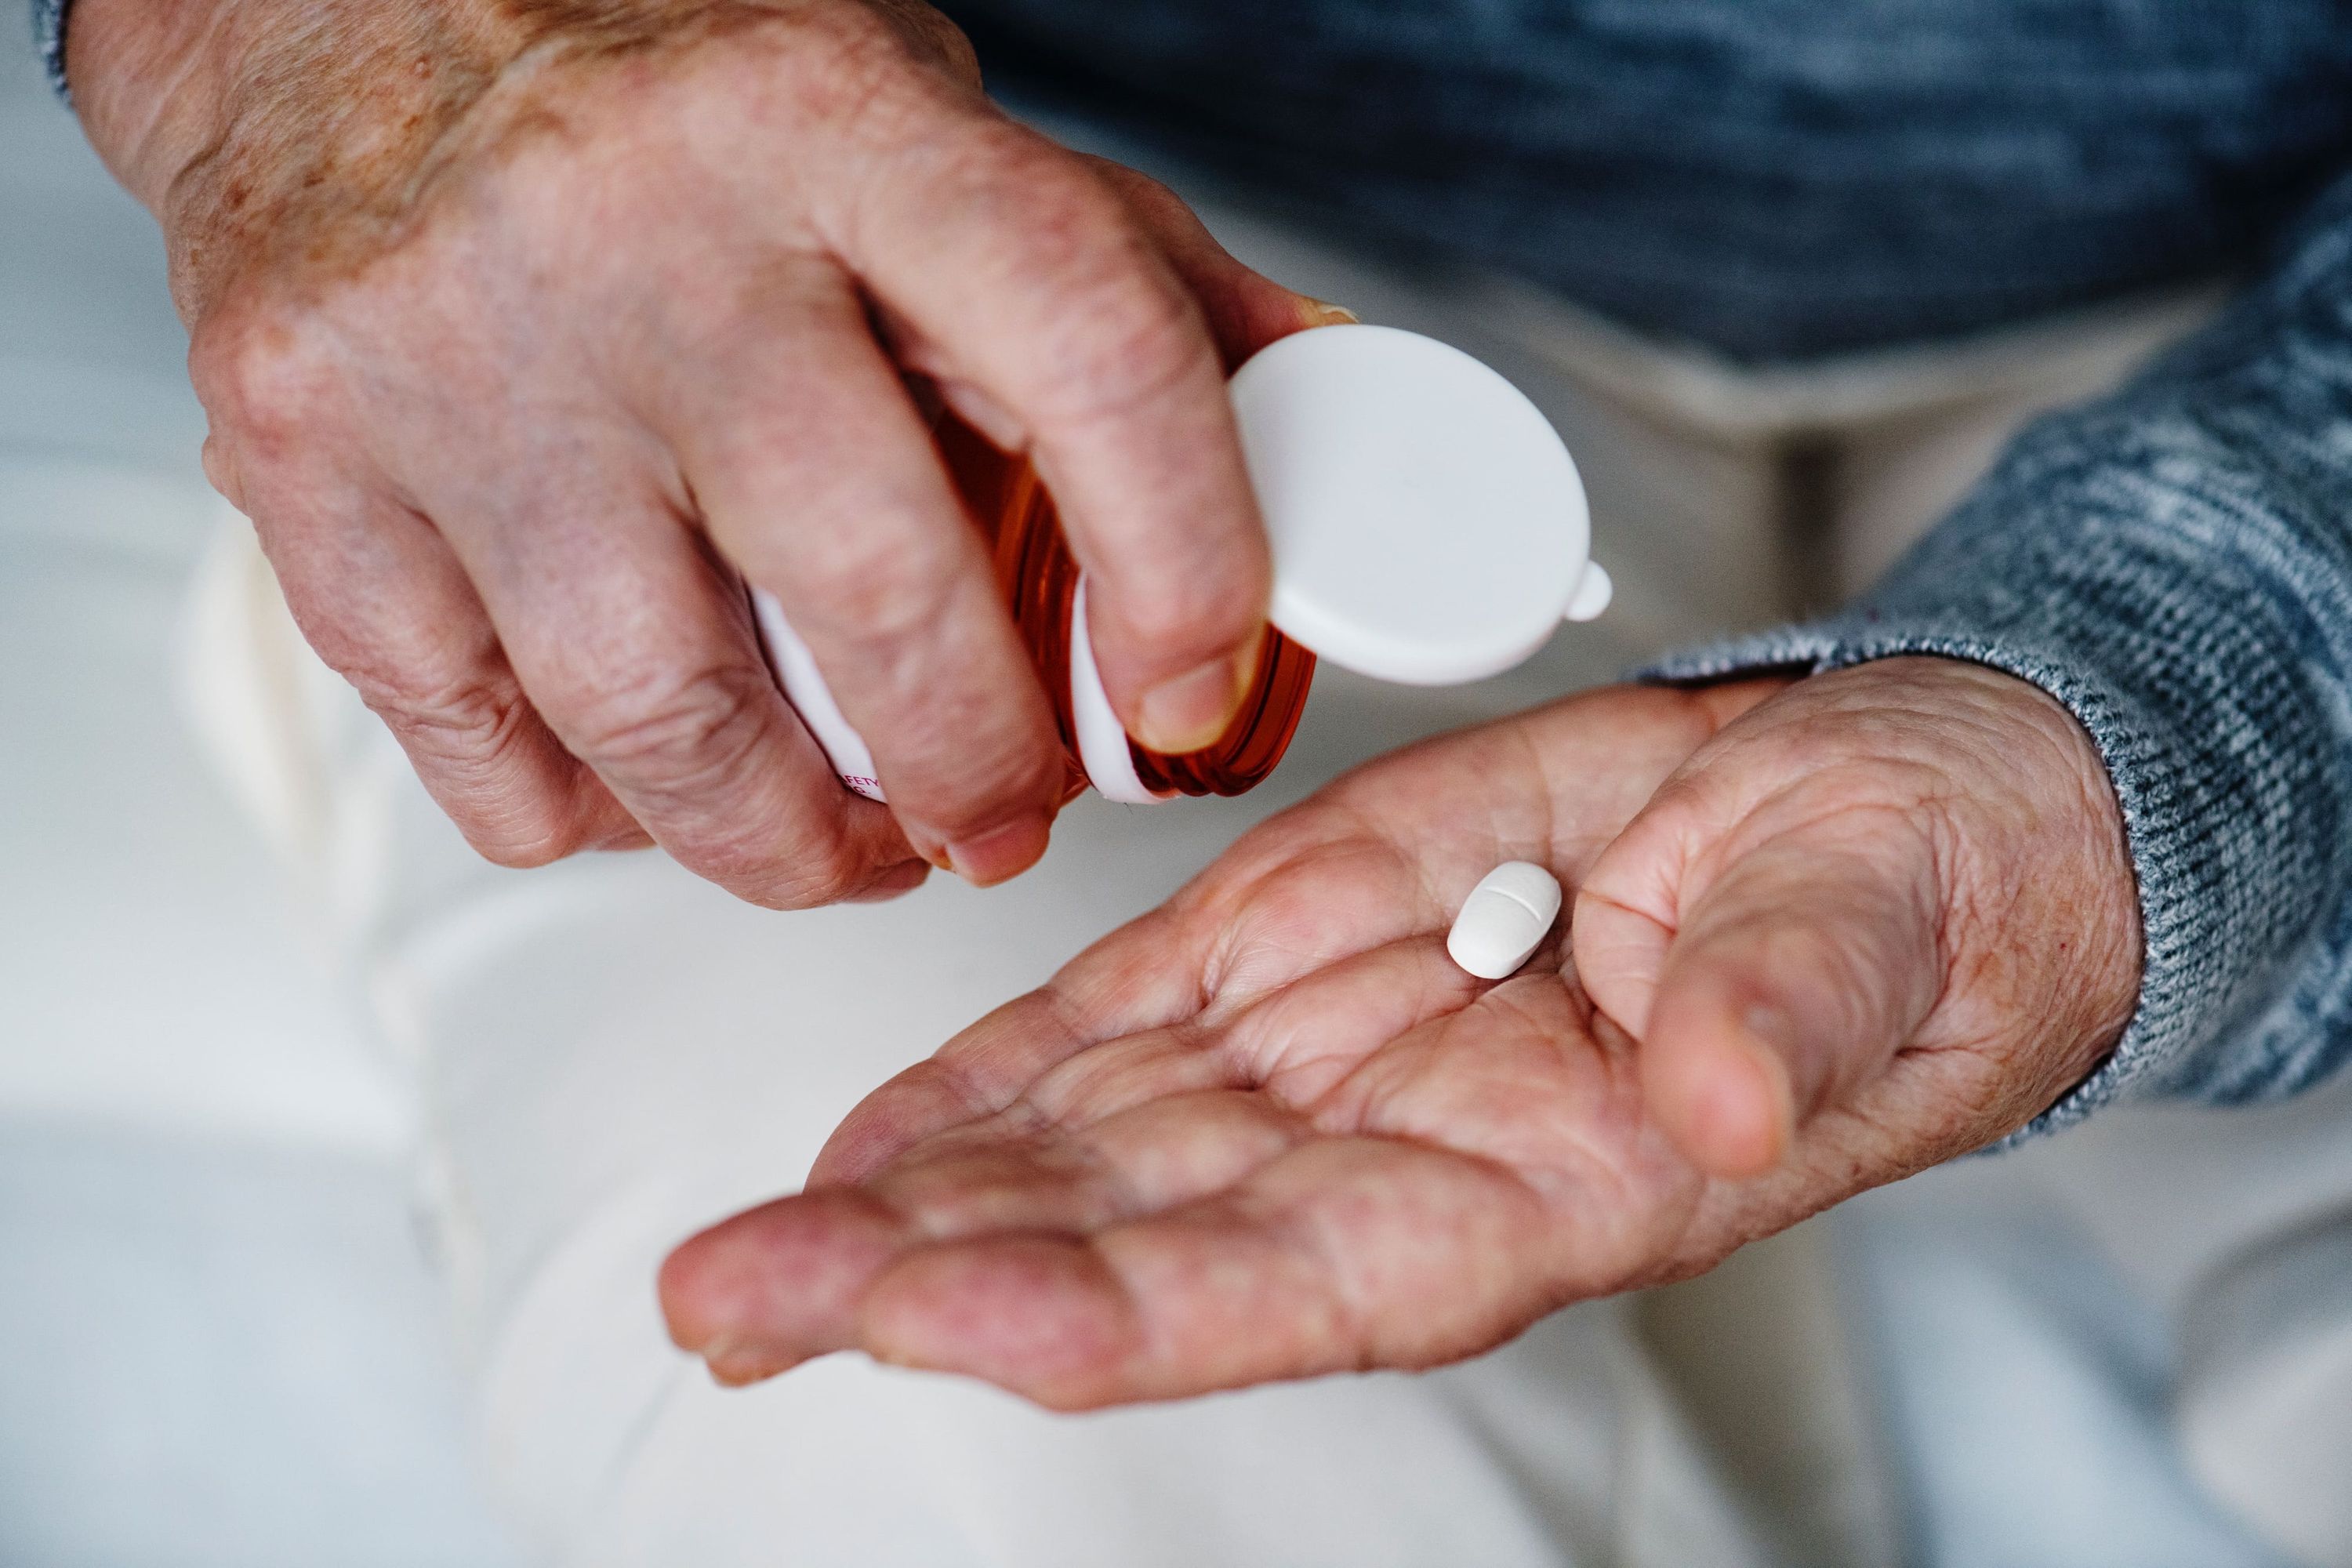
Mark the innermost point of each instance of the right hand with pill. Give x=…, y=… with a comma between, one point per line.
x=1824, y=933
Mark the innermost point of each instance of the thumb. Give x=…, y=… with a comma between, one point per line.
x=1766, y=989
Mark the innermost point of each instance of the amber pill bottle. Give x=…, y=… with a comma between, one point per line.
x=1040, y=580
x=1427, y=526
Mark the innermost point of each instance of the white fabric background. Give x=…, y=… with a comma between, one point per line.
x=219, y=1345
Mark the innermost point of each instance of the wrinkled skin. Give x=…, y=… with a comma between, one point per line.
x=1826, y=934
x=528, y=329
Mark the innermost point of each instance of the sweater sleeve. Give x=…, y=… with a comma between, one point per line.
x=2175, y=565
x=49, y=39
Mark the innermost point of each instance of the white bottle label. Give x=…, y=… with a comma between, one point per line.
x=805, y=686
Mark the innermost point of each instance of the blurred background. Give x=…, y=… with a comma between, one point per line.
x=224, y=1333
x=218, y=1342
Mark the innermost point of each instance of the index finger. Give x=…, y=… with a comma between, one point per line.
x=1342, y=1253
x=1039, y=279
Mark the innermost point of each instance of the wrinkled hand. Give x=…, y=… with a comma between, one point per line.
x=1890, y=917
x=523, y=327
x=1270, y=1130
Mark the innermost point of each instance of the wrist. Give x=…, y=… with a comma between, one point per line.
x=236, y=121
x=142, y=75
x=307, y=129
x=153, y=80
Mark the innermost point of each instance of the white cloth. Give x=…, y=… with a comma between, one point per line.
x=218, y=1347
x=612, y=1055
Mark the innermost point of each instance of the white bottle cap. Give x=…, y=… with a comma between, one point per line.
x=1428, y=526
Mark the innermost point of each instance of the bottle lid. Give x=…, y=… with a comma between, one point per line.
x=1428, y=525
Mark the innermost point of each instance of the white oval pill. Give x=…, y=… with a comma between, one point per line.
x=1505, y=919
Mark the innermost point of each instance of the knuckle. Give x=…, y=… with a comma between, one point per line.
x=521, y=838
x=862, y=76
x=260, y=375
x=465, y=736
x=867, y=585
x=909, y=34
x=684, y=735
x=221, y=472
x=1068, y=208
x=806, y=861
x=1121, y=332
x=821, y=874
x=1057, y=218
x=1126, y=334
x=466, y=720
x=1139, y=191
x=1125, y=349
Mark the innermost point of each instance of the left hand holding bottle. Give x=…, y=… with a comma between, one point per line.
x=1826, y=933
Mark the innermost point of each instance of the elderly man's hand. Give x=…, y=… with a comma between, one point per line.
x=1270, y=1130
x=524, y=327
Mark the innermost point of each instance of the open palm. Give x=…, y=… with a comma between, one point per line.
x=1266, y=1132
x=1858, y=924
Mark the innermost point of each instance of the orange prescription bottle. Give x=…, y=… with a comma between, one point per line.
x=1045, y=592
x=1427, y=525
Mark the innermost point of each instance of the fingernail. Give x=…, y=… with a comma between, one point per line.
x=737, y=1365
x=1000, y=853
x=1326, y=314
x=743, y=1373
x=1192, y=711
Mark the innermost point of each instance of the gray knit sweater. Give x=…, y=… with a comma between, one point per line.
x=2175, y=565
x=1785, y=178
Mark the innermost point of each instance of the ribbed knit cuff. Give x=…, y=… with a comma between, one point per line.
x=49, y=39
x=2123, y=566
